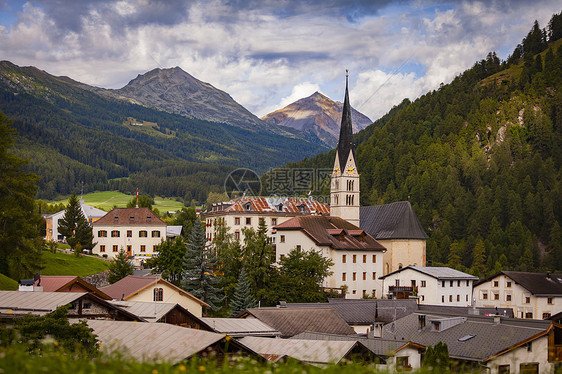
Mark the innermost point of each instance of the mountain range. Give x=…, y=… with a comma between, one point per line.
x=157, y=133
x=317, y=115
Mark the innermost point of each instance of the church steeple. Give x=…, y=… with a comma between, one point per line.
x=344, y=194
x=345, y=143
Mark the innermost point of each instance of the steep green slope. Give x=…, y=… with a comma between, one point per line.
x=73, y=135
x=480, y=160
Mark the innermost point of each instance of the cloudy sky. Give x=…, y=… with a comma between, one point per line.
x=269, y=53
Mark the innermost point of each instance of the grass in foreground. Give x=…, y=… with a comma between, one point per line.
x=106, y=200
x=7, y=284
x=68, y=264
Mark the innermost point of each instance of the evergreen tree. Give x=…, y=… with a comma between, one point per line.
x=200, y=265
x=258, y=256
x=242, y=298
x=479, y=259
x=119, y=267
x=229, y=253
x=74, y=225
x=454, y=258
x=20, y=221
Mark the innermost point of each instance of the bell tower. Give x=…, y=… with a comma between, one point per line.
x=344, y=191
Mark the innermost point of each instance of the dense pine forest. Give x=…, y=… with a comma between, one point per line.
x=479, y=159
x=72, y=135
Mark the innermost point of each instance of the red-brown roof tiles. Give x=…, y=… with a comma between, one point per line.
x=272, y=204
x=129, y=217
x=332, y=231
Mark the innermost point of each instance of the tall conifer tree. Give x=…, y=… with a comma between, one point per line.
x=242, y=298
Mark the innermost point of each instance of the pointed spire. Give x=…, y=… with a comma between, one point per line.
x=345, y=143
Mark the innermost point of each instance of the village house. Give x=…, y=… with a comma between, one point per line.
x=430, y=285
x=66, y=283
x=137, y=230
x=247, y=212
x=531, y=295
x=356, y=255
x=171, y=313
x=52, y=220
x=155, y=290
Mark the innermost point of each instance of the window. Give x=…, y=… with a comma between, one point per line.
x=442, y=298
x=397, y=282
x=458, y=283
x=129, y=249
x=115, y=234
x=343, y=259
x=484, y=295
x=273, y=221
x=496, y=295
x=423, y=284
x=442, y=283
x=467, y=283
x=529, y=368
x=374, y=275
x=508, y=297
x=343, y=277
x=529, y=315
x=508, y=285
x=364, y=293
x=102, y=234
x=298, y=248
x=527, y=300
x=87, y=305
x=261, y=221
x=450, y=298
x=248, y=221
x=154, y=248
x=236, y=220
x=402, y=362
x=115, y=248
x=354, y=292
x=496, y=283
x=546, y=315
x=158, y=294
x=143, y=248
x=155, y=233
x=354, y=258
x=364, y=259
x=237, y=235
x=374, y=259
x=364, y=275
x=282, y=239
x=458, y=297
x=549, y=300
x=143, y=234
x=450, y=283
x=102, y=248
x=354, y=276
x=129, y=233
x=281, y=257
x=503, y=369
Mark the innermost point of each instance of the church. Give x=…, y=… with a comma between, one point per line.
x=364, y=243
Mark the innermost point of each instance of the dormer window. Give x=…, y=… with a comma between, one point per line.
x=248, y=206
x=116, y=218
x=148, y=217
x=280, y=207
x=132, y=218
x=302, y=208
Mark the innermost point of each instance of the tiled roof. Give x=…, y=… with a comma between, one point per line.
x=273, y=205
x=130, y=217
x=310, y=351
x=53, y=283
x=489, y=338
x=130, y=285
x=380, y=347
x=292, y=321
x=240, y=327
x=391, y=221
x=437, y=272
x=332, y=231
x=152, y=341
x=535, y=283
x=365, y=311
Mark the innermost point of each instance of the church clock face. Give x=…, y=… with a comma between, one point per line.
x=337, y=170
x=350, y=170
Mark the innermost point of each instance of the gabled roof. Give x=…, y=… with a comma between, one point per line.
x=57, y=283
x=365, y=311
x=547, y=284
x=380, y=347
x=152, y=341
x=238, y=327
x=150, y=311
x=391, y=221
x=292, y=321
x=489, y=339
x=173, y=231
x=87, y=210
x=309, y=351
x=39, y=303
x=332, y=231
x=132, y=285
x=130, y=217
x=437, y=272
x=289, y=205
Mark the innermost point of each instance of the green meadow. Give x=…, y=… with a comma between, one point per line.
x=7, y=284
x=68, y=264
x=106, y=200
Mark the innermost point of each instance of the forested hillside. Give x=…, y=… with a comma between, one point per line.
x=72, y=135
x=479, y=159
